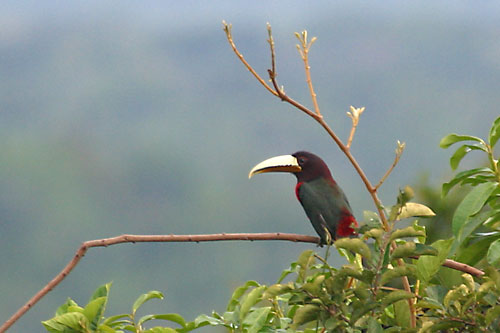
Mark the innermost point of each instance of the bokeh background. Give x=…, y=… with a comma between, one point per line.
x=136, y=117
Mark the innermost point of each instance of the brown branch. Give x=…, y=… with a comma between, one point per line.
x=227, y=30
x=147, y=239
x=303, y=49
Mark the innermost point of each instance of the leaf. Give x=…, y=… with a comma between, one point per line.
x=257, y=319
x=374, y=326
x=250, y=300
x=471, y=205
x=102, y=291
x=493, y=255
x=238, y=293
x=113, y=320
x=355, y=245
x=174, y=317
x=160, y=330
x=494, y=132
x=75, y=321
x=454, y=138
x=395, y=296
x=402, y=313
x=406, y=232
x=64, y=307
x=392, y=273
x=204, y=319
x=463, y=176
x=474, y=251
x=277, y=289
x=305, y=314
x=428, y=266
x=411, y=249
x=461, y=152
x=94, y=310
x=145, y=297
x=412, y=209
x=362, y=310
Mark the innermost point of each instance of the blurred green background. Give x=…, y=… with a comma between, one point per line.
x=136, y=117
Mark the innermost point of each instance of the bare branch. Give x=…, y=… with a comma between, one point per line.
x=303, y=49
x=146, y=239
x=227, y=30
x=399, y=151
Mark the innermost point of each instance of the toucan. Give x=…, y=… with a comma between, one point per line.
x=323, y=200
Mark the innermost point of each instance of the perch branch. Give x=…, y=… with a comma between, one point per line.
x=146, y=239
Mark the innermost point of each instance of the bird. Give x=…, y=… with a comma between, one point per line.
x=324, y=202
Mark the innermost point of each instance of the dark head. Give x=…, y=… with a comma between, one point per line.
x=312, y=167
x=306, y=166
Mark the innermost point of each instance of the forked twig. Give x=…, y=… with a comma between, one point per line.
x=303, y=49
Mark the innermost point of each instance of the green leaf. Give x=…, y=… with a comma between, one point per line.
x=492, y=314
x=428, y=266
x=411, y=249
x=68, y=321
x=257, y=319
x=64, y=307
x=402, y=313
x=461, y=152
x=355, y=245
x=471, y=205
x=114, y=320
x=277, y=289
x=412, y=209
x=160, y=330
x=102, y=291
x=251, y=299
x=238, y=293
x=305, y=314
x=204, y=319
x=454, y=138
x=362, y=310
x=374, y=326
x=473, y=252
x=494, y=132
x=406, y=232
x=462, y=177
x=144, y=298
x=94, y=310
x=174, y=317
x=392, y=273
x=493, y=255
x=395, y=296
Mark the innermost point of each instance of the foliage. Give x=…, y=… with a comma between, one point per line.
x=70, y=317
x=363, y=295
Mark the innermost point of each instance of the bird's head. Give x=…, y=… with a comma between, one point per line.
x=304, y=165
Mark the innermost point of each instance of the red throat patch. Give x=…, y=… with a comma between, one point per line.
x=297, y=187
x=346, y=223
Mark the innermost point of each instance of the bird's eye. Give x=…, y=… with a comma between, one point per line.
x=302, y=160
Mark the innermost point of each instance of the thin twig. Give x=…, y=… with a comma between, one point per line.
x=227, y=29
x=399, y=152
x=142, y=239
x=304, y=54
x=354, y=115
